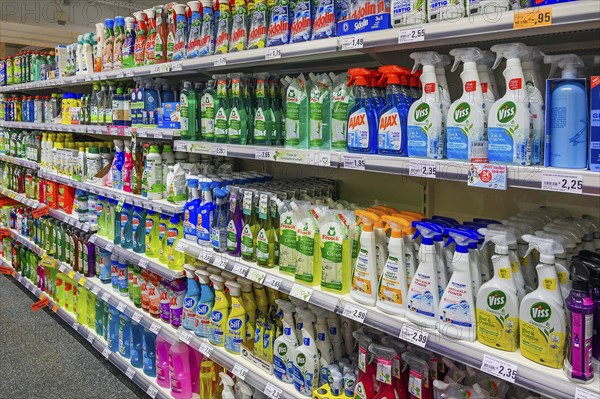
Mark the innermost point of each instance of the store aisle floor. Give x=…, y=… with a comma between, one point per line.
x=41, y=357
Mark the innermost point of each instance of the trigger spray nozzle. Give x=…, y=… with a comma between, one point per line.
x=424, y=58
x=510, y=51
x=569, y=63
x=466, y=54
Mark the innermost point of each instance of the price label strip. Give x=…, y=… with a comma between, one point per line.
x=143, y=263
x=152, y=391
x=137, y=316
x=130, y=372
x=499, y=368
x=273, y=392
x=354, y=312
x=562, y=182
x=416, y=34
x=240, y=270
x=582, y=393
x=532, y=18
x=414, y=334
x=422, y=169
x=205, y=349
x=356, y=162
x=273, y=53
x=155, y=328
x=264, y=154
x=106, y=352
x=272, y=282
x=91, y=338
x=105, y=296
x=186, y=337
x=352, y=42
x=239, y=371
x=219, y=150
x=95, y=290
x=220, y=61
x=301, y=292
x=121, y=307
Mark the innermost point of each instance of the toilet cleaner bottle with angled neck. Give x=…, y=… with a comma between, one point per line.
x=497, y=301
x=467, y=117
x=543, y=320
x=456, y=313
x=509, y=120
x=423, y=295
x=363, y=116
x=534, y=86
x=364, y=276
x=426, y=118
x=391, y=131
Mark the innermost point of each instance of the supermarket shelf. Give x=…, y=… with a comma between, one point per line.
x=255, y=377
x=125, y=131
x=157, y=205
x=18, y=161
x=27, y=243
x=136, y=375
x=20, y=197
x=579, y=17
x=139, y=259
x=530, y=375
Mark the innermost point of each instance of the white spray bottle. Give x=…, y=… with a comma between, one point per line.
x=534, y=86
x=561, y=260
x=285, y=344
x=509, y=120
x=227, y=383
x=513, y=257
x=324, y=347
x=306, y=357
x=364, y=276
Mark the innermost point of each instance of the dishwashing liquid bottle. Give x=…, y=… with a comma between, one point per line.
x=394, y=115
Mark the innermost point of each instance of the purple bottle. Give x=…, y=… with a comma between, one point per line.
x=592, y=261
x=581, y=307
x=165, y=307
x=91, y=256
x=177, y=291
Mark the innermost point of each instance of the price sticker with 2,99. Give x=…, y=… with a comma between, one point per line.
x=499, y=368
x=352, y=42
x=354, y=312
x=413, y=334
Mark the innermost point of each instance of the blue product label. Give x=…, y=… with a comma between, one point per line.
x=122, y=278
x=422, y=304
x=303, y=380
x=135, y=357
x=358, y=129
x=190, y=218
x=324, y=23
x=203, y=227
x=203, y=327
x=366, y=24
x=458, y=144
x=280, y=366
x=216, y=336
x=279, y=26
x=234, y=338
x=457, y=313
x=189, y=313
x=302, y=23
x=390, y=131
x=149, y=363
x=500, y=146
x=417, y=142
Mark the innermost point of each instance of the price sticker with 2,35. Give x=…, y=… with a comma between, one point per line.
x=499, y=368
x=422, y=169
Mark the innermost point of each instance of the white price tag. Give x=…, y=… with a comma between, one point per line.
x=205, y=257
x=205, y=349
x=155, y=328
x=356, y=162
x=220, y=150
x=581, y=393
x=180, y=146
x=181, y=246
x=239, y=371
x=177, y=66
x=240, y=270
x=273, y=392
x=414, y=335
x=354, y=312
x=130, y=73
x=106, y=352
x=152, y=391
x=155, y=69
x=256, y=275
x=186, y=337
x=220, y=60
x=105, y=296
x=91, y=337
x=221, y=261
x=62, y=268
x=164, y=68
x=562, y=182
x=76, y=326
x=143, y=263
x=272, y=282
x=263, y=154
x=273, y=53
x=422, y=169
x=158, y=134
x=121, y=307
x=120, y=75
x=352, y=42
x=95, y=290
x=109, y=247
x=301, y=292
x=415, y=34
x=499, y=368
x=137, y=316
x=130, y=372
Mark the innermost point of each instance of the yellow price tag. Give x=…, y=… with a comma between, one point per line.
x=71, y=274
x=82, y=281
x=532, y=18
x=49, y=262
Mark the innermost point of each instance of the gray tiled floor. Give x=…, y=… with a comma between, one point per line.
x=42, y=358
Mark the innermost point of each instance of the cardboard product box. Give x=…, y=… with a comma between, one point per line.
x=594, y=162
x=61, y=56
x=247, y=352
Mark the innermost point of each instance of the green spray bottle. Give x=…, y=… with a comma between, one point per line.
x=188, y=109
x=222, y=107
x=342, y=100
x=237, y=125
x=208, y=104
x=249, y=94
x=249, y=225
x=296, y=114
x=263, y=115
x=278, y=117
x=320, y=112
x=265, y=239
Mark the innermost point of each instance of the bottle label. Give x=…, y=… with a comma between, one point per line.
x=361, y=280
x=184, y=112
x=234, y=129
x=292, y=115
x=425, y=138
x=305, y=231
x=260, y=129
x=495, y=327
x=236, y=331
x=262, y=246
x=541, y=337
x=420, y=297
x=390, y=289
x=390, y=130
x=207, y=119
x=331, y=255
x=282, y=365
x=247, y=241
x=358, y=129
x=287, y=240
x=221, y=124
x=454, y=308
x=217, y=333
x=315, y=112
x=203, y=319
x=509, y=142
x=339, y=117
x=232, y=237
x=304, y=378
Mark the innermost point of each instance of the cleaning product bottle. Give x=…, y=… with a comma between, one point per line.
x=391, y=293
x=423, y=294
x=384, y=356
x=426, y=120
x=141, y=34
x=342, y=100
x=180, y=371
x=152, y=240
x=297, y=114
x=237, y=121
x=265, y=238
x=467, y=117
x=222, y=108
x=365, y=384
x=534, y=87
x=162, y=362
x=249, y=304
x=223, y=35
x=497, y=301
x=363, y=116
x=263, y=116
x=117, y=165
x=227, y=383
x=119, y=41
x=302, y=16
x=108, y=54
x=220, y=312
x=127, y=168
x=336, y=247
x=205, y=212
x=235, y=332
x=487, y=78
x=305, y=357
x=191, y=300
x=152, y=178
x=234, y=226
x=278, y=32
x=174, y=234
x=456, y=311
x=285, y=345
x=543, y=321
x=150, y=44
x=190, y=209
x=568, y=132
x=205, y=305
x=561, y=261
x=249, y=225
x=308, y=264
x=178, y=41
x=195, y=29
x=509, y=120
x=419, y=380
x=207, y=112
x=239, y=27
x=161, y=48
x=364, y=278
x=207, y=33
x=128, y=52
x=257, y=35
x=392, y=121
x=188, y=107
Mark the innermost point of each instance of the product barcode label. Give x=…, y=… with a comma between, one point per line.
x=106, y=352
x=262, y=154
x=220, y=60
x=240, y=270
x=272, y=282
x=273, y=53
x=272, y=391
x=93, y=239
x=354, y=312
x=155, y=328
x=95, y=290
x=186, y=337
x=91, y=337
x=121, y=307
x=499, y=368
x=414, y=334
x=239, y=371
x=301, y=292
x=582, y=393
x=137, y=316
x=256, y=275
x=180, y=146
x=152, y=391
x=220, y=150
x=143, y=263
x=130, y=372
x=205, y=349
x=105, y=296
x=422, y=169
x=352, y=42
x=356, y=162
x=562, y=182
x=416, y=34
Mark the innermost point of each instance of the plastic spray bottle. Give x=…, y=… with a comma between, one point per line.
x=235, y=332
x=205, y=305
x=234, y=226
x=285, y=345
x=141, y=33
x=119, y=41
x=237, y=120
x=188, y=109
x=192, y=296
x=392, y=131
x=222, y=107
x=363, y=116
x=223, y=35
x=509, y=120
x=543, y=321
x=384, y=357
x=305, y=357
x=205, y=212
x=207, y=32
x=108, y=54
x=534, y=86
x=220, y=312
x=467, y=117
x=263, y=114
x=179, y=43
x=195, y=29
x=426, y=119
x=364, y=277
x=297, y=114
x=365, y=384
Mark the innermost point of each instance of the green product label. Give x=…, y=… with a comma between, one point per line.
x=184, y=113
x=247, y=241
x=292, y=118
x=234, y=125
x=247, y=203
x=262, y=246
x=207, y=116
x=462, y=112
x=287, y=248
x=339, y=117
x=507, y=112
x=306, y=245
x=221, y=124
x=316, y=125
x=300, y=359
x=231, y=236
x=422, y=112
x=540, y=312
x=496, y=300
x=260, y=124
x=263, y=206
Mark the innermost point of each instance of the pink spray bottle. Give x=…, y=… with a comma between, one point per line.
x=384, y=356
x=162, y=362
x=180, y=370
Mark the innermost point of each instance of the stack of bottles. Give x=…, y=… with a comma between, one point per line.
x=26, y=66
x=20, y=144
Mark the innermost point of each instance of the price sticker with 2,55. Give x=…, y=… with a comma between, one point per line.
x=416, y=34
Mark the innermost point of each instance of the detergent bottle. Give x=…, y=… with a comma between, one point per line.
x=365, y=384
x=467, y=117
x=150, y=44
x=486, y=77
x=285, y=345
x=161, y=49
x=364, y=277
x=257, y=35
x=516, y=266
x=278, y=32
x=205, y=212
x=363, y=116
x=141, y=34
x=391, y=297
x=222, y=107
x=206, y=303
x=305, y=357
x=220, y=312
x=509, y=120
x=535, y=88
x=195, y=29
x=423, y=294
x=542, y=316
x=497, y=301
x=381, y=250
x=456, y=312
x=426, y=118
x=249, y=304
x=192, y=296
x=239, y=27
x=419, y=378
x=308, y=262
x=263, y=113
x=561, y=261
x=223, y=35
x=237, y=121
x=235, y=332
x=392, y=121
x=384, y=357
x=440, y=73
x=206, y=44
x=181, y=28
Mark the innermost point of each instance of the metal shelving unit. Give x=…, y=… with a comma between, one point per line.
x=125, y=131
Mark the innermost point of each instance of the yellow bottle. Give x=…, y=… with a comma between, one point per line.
x=235, y=331
x=82, y=305
x=91, y=311
x=262, y=302
x=220, y=312
x=250, y=307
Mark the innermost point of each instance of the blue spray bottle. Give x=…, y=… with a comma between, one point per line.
x=218, y=229
x=137, y=345
x=205, y=304
x=190, y=209
x=149, y=358
x=205, y=212
x=362, y=119
x=192, y=296
x=393, y=117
